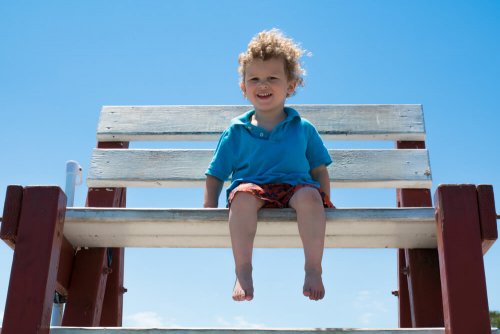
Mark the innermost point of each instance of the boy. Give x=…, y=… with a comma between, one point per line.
x=276, y=159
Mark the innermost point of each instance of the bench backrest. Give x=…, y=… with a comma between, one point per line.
x=381, y=168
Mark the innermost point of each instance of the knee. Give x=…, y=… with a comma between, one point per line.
x=307, y=196
x=245, y=201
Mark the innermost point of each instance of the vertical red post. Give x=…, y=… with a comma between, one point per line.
x=404, y=310
x=112, y=314
x=487, y=216
x=65, y=267
x=421, y=266
x=96, y=290
x=113, y=299
x=86, y=289
x=11, y=214
x=465, y=300
x=36, y=257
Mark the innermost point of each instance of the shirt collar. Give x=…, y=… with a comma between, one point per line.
x=245, y=118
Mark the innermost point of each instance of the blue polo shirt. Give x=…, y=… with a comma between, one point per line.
x=250, y=153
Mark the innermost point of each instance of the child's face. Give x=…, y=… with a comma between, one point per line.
x=266, y=84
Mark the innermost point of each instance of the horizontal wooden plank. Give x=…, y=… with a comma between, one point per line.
x=340, y=122
x=186, y=168
x=102, y=330
x=277, y=228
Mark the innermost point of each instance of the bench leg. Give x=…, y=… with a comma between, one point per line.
x=11, y=214
x=465, y=301
x=424, y=288
x=36, y=257
x=95, y=296
x=86, y=289
x=487, y=216
x=419, y=274
x=113, y=298
x=404, y=310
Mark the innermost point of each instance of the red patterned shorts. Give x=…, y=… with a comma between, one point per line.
x=275, y=195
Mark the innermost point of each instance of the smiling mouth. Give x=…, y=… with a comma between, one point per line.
x=264, y=95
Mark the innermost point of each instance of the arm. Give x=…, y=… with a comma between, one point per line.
x=213, y=187
x=320, y=174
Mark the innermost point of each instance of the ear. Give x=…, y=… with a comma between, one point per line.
x=243, y=88
x=292, y=85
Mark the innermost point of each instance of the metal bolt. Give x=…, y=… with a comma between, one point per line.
x=405, y=271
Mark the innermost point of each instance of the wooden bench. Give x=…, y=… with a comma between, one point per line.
x=79, y=251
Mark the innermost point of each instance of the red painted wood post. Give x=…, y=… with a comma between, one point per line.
x=112, y=313
x=91, y=275
x=465, y=300
x=86, y=289
x=36, y=257
x=421, y=266
x=65, y=267
x=487, y=215
x=404, y=310
x=11, y=214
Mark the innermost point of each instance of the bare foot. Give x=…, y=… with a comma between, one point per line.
x=240, y=294
x=243, y=287
x=313, y=285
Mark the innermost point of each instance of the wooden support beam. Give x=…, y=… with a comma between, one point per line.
x=36, y=257
x=422, y=265
x=404, y=309
x=65, y=267
x=113, y=299
x=11, y=214
x=465, y=300
x=487, y=216
x=422, y=271
x=8, y=233
x=89, y=279
x=424, y=287
x=87, y=287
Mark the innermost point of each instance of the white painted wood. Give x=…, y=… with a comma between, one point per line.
x=186, y=168
x=277, y=228
x=340, y=122
x=109, y=330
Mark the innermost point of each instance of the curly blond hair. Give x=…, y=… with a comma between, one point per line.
x=273, y=43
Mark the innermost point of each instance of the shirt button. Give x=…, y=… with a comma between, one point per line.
x=262, y=134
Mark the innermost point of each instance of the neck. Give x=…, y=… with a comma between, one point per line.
x=268, y=120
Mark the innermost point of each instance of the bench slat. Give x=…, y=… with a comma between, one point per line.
x=135, y=330
x=186, y=168
x=340, y=122
x=277, y=228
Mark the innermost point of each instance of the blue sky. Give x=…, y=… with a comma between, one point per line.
x=61, y=61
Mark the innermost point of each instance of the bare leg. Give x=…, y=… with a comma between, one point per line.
x=242, y=227
x=311, y=220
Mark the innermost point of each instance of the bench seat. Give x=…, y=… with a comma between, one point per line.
x=277, y=228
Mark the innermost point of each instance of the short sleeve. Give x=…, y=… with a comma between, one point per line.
x=316, y=152
x=221, y=165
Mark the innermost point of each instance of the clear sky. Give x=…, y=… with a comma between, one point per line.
x=60, y=61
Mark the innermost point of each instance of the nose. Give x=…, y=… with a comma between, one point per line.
x=263, y=83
